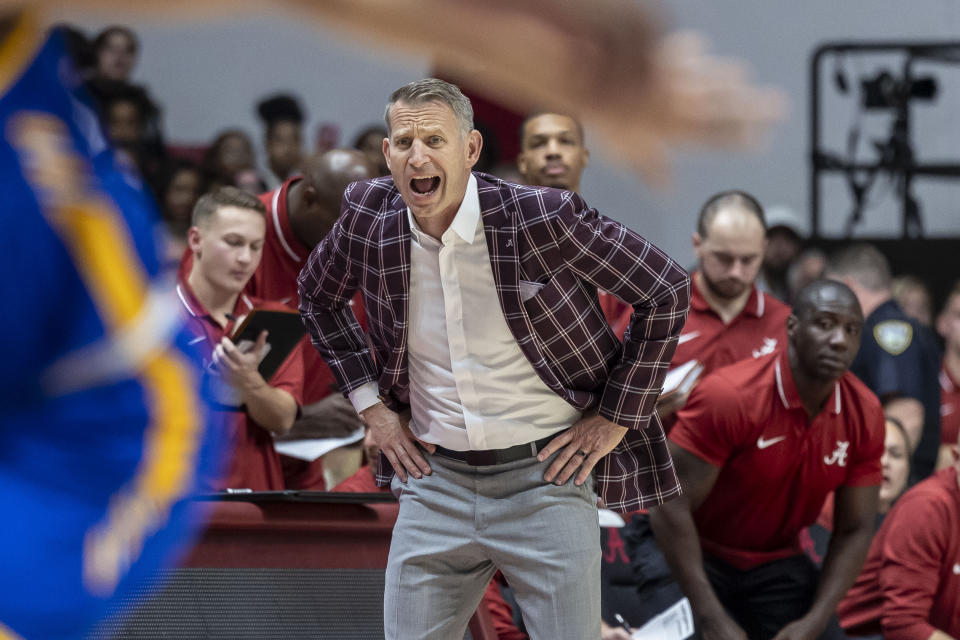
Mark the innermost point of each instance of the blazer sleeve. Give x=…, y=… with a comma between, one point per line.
x=613, y=258
x=326, y=285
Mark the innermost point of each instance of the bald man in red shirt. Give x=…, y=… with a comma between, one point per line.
x=758, y=448
x=910, y=585
x=730, y=318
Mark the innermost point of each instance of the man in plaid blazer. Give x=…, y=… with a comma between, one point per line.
x=484, y=324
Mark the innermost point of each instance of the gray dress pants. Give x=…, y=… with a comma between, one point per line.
x=460, y=524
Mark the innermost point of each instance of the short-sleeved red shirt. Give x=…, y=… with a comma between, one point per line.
x=949, y=407
x=776, y=469
x=910, y=583
x=275, y=280
x=254, y=462
x=759, y=329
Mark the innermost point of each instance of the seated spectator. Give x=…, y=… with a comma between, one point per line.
x=115, y=51
x=914, y=297
x=177, y=188
x=79, y=48
x=910, y=585
x=370, y=143
x=948, y=326
x=229, y=161
x=131, y=121
x=895, y=468
x=808, y=267
x=786, y=231
x=226, y=240
x=282, y=118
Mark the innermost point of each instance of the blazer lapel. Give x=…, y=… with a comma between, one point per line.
x=394, y=246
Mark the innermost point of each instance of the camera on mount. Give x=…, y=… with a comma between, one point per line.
x=885, y=91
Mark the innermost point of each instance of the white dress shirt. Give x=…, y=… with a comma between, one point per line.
x=471, y=387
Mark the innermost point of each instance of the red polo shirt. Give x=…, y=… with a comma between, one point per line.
x=949, y=407
x=759, y=329
x=254, y=464
x=276, y=280
x=776, y=468
x=910, y=584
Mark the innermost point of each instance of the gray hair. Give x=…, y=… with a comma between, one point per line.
x=433, y=90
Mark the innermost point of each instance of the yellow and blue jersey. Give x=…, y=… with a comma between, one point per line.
x=103, y=425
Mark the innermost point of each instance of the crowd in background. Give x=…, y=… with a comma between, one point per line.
x=922, y=417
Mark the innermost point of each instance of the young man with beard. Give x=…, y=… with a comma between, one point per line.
x=758, y=447
x=730, y=318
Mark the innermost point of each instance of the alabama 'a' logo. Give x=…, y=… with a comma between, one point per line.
x=839, y=455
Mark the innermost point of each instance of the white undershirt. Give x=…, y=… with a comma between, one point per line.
x=471, y=387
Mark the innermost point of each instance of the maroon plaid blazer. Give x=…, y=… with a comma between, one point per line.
x=539, y=235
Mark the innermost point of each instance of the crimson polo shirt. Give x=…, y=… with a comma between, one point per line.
x=910, y=583
x=759, y=329
x=775, y=468
x=275, y=279
x=254, y=462
x=949, y=408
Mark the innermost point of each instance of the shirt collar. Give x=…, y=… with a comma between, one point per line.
x=787, y=388
x=464, y=223
x=196, y=309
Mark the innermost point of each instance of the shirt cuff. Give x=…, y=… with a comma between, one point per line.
x=365, y=396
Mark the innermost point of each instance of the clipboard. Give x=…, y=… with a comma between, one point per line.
x=285, y=329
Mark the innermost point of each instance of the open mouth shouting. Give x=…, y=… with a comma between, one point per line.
x=425, y=186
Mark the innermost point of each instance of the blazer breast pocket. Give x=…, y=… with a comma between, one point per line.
x=572, y=331
x=529, y=289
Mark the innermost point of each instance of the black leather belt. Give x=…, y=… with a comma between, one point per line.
x=487, y=457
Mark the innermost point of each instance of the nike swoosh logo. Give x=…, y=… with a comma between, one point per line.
x=196, y=340
x=687, y=337
x=763, y=444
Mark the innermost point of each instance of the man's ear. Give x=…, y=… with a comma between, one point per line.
x=474, y=145
x=793, y=322
x=697, y=240
x=522, y=164
x=310, y=195
x=386, y=152
x=194, y=240
x=586, y=157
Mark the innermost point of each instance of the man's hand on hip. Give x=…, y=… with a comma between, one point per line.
x=392, y=434
x=581, y=447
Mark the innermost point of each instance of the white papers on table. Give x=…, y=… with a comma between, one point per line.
x=610, y=519
x=682, y=378
x=676, y=623
x=313, y=448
